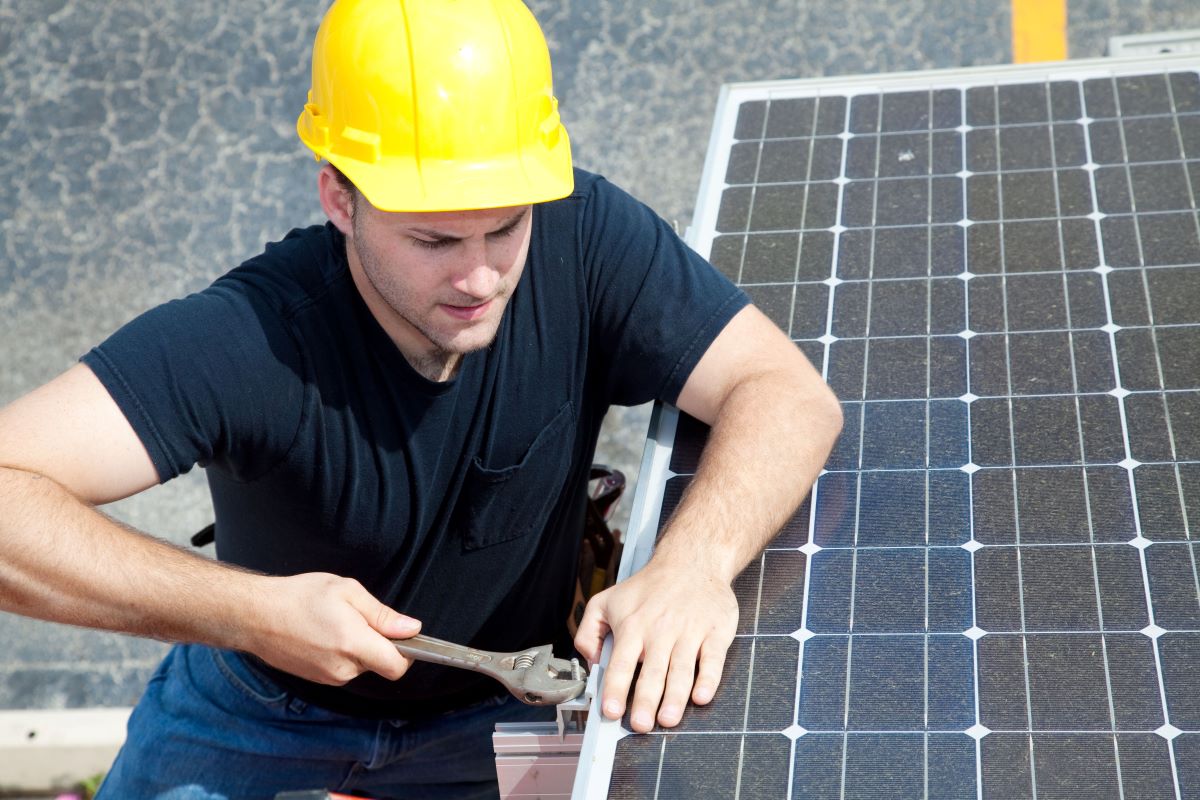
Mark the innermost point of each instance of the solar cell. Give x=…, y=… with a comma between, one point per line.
x=994, y=589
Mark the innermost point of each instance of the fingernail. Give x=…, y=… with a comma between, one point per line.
x=670, y=713
x=612, y=709
x=703, y=695
x=641, y=719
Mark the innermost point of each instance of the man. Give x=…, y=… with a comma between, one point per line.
x=397, y=412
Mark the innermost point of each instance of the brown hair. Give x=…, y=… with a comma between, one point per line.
x=348, y=186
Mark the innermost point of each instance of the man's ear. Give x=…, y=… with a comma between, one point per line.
x=335, y=199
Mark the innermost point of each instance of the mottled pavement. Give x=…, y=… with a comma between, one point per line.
x=148, y=147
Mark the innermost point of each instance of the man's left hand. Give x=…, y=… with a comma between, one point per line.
x=773, y=423
x=668, y=616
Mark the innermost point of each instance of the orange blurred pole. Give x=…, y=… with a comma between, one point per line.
x=1039, y=30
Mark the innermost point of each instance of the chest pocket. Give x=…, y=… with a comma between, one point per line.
x=499, y=505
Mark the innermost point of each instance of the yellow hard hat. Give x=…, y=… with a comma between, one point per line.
x=437, y=105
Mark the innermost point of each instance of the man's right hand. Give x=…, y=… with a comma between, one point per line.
x=327, y=629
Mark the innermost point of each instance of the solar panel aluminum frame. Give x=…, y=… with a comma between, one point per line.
x=1148, y=44
x=599, y=746
x=602, y=734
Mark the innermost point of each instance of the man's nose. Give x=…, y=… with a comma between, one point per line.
x=475, y=277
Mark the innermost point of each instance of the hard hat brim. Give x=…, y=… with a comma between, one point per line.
x=399, y=184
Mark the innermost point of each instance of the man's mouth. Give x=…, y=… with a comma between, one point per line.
x=467, y=313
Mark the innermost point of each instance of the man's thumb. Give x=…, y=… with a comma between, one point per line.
x=395, y=625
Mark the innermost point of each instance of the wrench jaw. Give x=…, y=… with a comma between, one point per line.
x=537, y=678
x=534, y=676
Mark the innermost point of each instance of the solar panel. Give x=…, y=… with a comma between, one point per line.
x=993, y=591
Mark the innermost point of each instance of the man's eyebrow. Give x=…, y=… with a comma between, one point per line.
x=505, y=226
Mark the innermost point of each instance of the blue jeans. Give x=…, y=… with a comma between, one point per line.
x=213, y=726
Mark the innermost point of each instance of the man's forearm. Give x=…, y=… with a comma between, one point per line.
x=769, y=442
x=64, y=561
x=61, y=560
x=67, y=445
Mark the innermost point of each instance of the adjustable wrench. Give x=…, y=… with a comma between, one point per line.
x=534, y=676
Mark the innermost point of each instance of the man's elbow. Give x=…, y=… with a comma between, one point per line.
x=828, y=409
x=814, y=401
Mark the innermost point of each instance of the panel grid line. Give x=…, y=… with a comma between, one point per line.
x=835, y=253
x=662, y=753
x=887, y=179
x=994, y=630
x=1178, y=478
x=1183, y=156
x=1043, y=396
x=1123, y=415
x=800, y=248
x=1013, y=457
x=762, y=570
x=1019, y=220
x=1158, y=368
x=975, y=673
x=741, y=759
x=1078, y=465
x=1087, y=497
x=753, y=194
x=928, y=443
x=1137, y=236
x=814, y=494
x=665, y=735
x=803, y=216
x=858, y=484
x=984, y=126
x=932, y=129
x=1005, y=171
x=1030, y=332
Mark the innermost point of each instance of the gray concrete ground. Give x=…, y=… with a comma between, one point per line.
x=148, y=147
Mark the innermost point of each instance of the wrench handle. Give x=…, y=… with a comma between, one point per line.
x=437, y=651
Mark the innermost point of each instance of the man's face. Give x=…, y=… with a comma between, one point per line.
x=440, y=280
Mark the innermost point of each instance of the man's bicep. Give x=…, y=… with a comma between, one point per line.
x=749, y=345
x=71, y=430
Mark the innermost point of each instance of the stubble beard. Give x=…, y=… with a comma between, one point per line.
x=432, y=361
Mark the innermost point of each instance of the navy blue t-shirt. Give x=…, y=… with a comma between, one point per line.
x=459, y=503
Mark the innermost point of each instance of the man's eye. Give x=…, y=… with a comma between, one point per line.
x=509, y=231
x=436, y=244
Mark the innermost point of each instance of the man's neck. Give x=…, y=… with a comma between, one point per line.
x=430, y=361
x=438, y=367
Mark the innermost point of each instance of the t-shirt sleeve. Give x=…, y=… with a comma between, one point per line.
x=656, y=305
x=215, y=377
